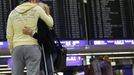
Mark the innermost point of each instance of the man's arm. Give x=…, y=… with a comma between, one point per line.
x=45, y=7
x=29, y=31
x=46, y=18
x=9, y=33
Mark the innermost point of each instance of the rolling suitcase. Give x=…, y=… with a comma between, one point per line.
x=51, y=63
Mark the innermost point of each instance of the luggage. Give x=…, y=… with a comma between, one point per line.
x=58, y=64
x=45, y=63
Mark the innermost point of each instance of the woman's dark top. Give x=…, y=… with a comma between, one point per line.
x=45, y=37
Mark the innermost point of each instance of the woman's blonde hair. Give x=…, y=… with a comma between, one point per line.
x=43, y=5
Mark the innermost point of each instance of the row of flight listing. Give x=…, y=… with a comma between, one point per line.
x=78, y=43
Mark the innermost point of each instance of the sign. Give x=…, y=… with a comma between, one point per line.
x=74, y=61
x=112, y=42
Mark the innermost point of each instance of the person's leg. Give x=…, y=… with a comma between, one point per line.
x=32, y=57
x=18, y=61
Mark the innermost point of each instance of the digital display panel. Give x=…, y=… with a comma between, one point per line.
x=112, y=42
x=65, y=43
x=74, y=61
x=70, y=61
x=74, y=43
x=110, y=19
x=4, y=11
x=81, y=19
x=68, y=18
x=3, y=44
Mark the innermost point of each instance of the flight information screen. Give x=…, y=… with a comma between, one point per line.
x=72, y=24
x=68, y=17
x=82, y=19
x=110, y=19
x=74, y=61
x=4, y=11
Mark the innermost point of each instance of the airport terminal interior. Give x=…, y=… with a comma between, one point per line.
x=92, y=31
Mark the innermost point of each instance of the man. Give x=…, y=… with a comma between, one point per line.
x=107, y=67
x=25, y=50
x=97, y=65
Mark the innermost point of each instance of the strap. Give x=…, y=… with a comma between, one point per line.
x=58, y=42
x=57, y=39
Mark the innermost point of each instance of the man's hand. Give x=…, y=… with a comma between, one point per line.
x=45, y=7
x=27, y=31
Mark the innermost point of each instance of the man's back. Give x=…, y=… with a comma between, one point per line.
x=26, y=14
x=26, y=52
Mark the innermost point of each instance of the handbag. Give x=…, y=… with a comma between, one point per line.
x=60, y=62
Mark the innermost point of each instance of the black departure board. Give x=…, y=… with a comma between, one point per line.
x=112, y=19
x=74, y=19
x=68, y=17
x=71, y=23
x=4, y=11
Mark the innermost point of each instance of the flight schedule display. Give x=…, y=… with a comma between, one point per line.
x=74, y=19
x=67, y=15
x=71, y=19
x=112, y=19
x=68, y=18
x=4, y=11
